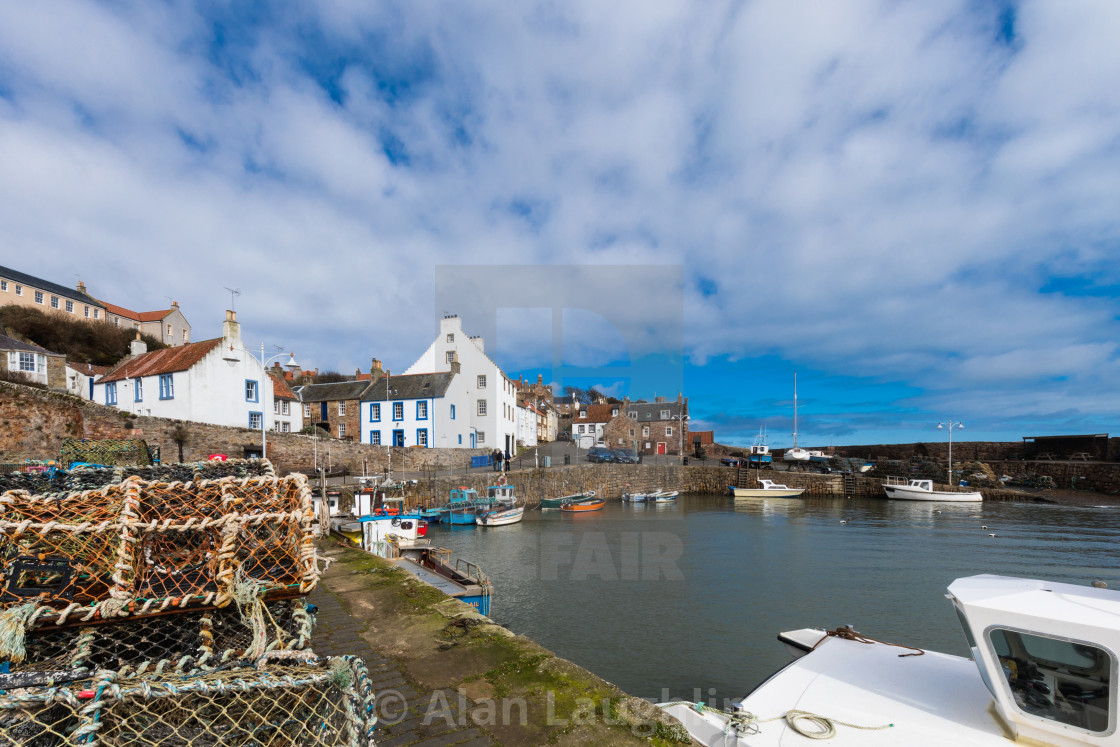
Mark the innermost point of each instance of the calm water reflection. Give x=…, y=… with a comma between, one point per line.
x=692, y=595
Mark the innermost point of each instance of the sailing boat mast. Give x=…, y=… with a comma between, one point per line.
x=795, y=409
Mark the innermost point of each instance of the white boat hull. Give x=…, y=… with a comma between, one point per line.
x=501, y=518
x=911, y=493
x=764, y=493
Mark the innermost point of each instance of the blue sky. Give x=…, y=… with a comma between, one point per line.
x=911, y=205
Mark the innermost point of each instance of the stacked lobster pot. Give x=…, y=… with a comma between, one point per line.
x=170, y=608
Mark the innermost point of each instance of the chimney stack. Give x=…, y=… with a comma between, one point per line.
x=81, y=287
x=374, y=368
x=231, y=330
x=138, y=347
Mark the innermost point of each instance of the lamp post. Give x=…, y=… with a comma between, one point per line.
x=950, y=425
x=681, y=417
x=292, y=366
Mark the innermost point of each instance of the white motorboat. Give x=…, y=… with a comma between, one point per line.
x=1042, y=672
x=769, y=489
x=500, y=516
x=922, y=490
x=657, y=496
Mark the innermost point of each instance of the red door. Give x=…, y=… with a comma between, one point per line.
x=660, y=447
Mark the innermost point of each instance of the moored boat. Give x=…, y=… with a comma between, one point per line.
x=1041, y=671
x=769, y=489
x=922, y=490
x=500, y=517
x=548, y=503
x=760, y=453
x=594, y=504
x=664, y=496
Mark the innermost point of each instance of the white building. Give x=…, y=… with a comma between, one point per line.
x=491, y=395
x=81, y=376
x=216, y=381
x=527, y=418
x=287, y=413
x=425, y=410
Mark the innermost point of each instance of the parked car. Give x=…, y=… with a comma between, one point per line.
x=599, y=454
x=731, y=461
x=625, y=456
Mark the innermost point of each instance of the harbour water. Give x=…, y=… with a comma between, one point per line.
x=686, y=599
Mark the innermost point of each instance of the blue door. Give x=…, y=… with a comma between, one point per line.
x=473, y=436
x=398, y=438
x=323, y=411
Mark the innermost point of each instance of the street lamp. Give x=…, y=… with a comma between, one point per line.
x=951, y=425
x=292, y=366
x=681, y=417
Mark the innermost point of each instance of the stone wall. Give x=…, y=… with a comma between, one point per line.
x=35, y=423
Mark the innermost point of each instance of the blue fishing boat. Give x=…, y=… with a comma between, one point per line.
x=760, y=456
x=463, y=506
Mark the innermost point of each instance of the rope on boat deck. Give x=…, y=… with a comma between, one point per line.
x=745, y=722
x=852, y=635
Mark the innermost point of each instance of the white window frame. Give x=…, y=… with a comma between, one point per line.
x=54, y=302
x=285, y=407
x=341, y=409
x=450, y=356
x=668, y=430
x=69, y=306
x=275, y=406
x=259, y=417
x=480, y=437
x=306, y=410
x=87, y=312
x=39, y=297
x=665, y=415
x=19, y=289
x=27, y=362
x=342, y=430
x=4, y=285
x=375, y=438
x=285, y=427
x=481, y=381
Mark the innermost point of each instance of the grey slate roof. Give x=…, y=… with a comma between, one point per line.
x=411, y=386
x=45, y=285
x=649, y=412
x=342, y=390
x=10, y=343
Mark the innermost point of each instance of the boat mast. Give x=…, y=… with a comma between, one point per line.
x=795, y=409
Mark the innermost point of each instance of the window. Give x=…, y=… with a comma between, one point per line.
x=452, y=412
x=54, y=302
x=450, y=356
x=27, y=362
x=4, y=285
x=342, y=430
x=250, y=390
x=285, y=427
x=38, y=296
x=421, y=410
x=375, y=438
x=398, y=411
x=645, y=431
x=87, y=312
x=307, y=410
x=275, y=407
x=422, y=437
x=116, y=321
x=669, y=430
x=481, y=381
x=276, y=426
x=19, y=290
x=375, y=412
x=185, y=338
x=255, y=420
x=450, y=338
x=633, y=414
x=70, y=306
x=583, y=429
x=97, y=313
x=482, y=407
x=341, y=409
x=631, y=433
x=1078, y=691
x=170, y=331
x=138, y=389
x=111, y=393
x=481, y=436
x=166, y=386
x=460, y=439
x=285, y=407
x=614, y=411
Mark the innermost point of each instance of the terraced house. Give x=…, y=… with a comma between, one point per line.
x=20, y=289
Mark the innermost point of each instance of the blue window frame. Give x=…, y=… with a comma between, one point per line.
x=460, y=436
x=422, y=437
x=375, y=438
x=138, y=390
x=398, y=438
x=111, y=393
x=453, y=417
x=375, y=412
x=252, y=393
x=256, y=419
x=398, y=411
x=422, y=410
x=166, y=386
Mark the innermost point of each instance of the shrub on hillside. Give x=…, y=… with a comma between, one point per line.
x=97, y=342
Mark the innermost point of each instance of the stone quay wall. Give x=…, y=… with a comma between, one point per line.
x=35, y=423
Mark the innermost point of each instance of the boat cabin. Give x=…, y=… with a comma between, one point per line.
x=501, y=494
x=385, y=536
x=463, y=494
x=1048, y=654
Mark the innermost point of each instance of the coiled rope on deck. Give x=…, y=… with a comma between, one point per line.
x=745, y=722
x=850, y=634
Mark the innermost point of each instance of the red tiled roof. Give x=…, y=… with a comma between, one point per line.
x=280, y=388
x=163, y=361
x=142, y=316
x=596, y=413
x=88, y=368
